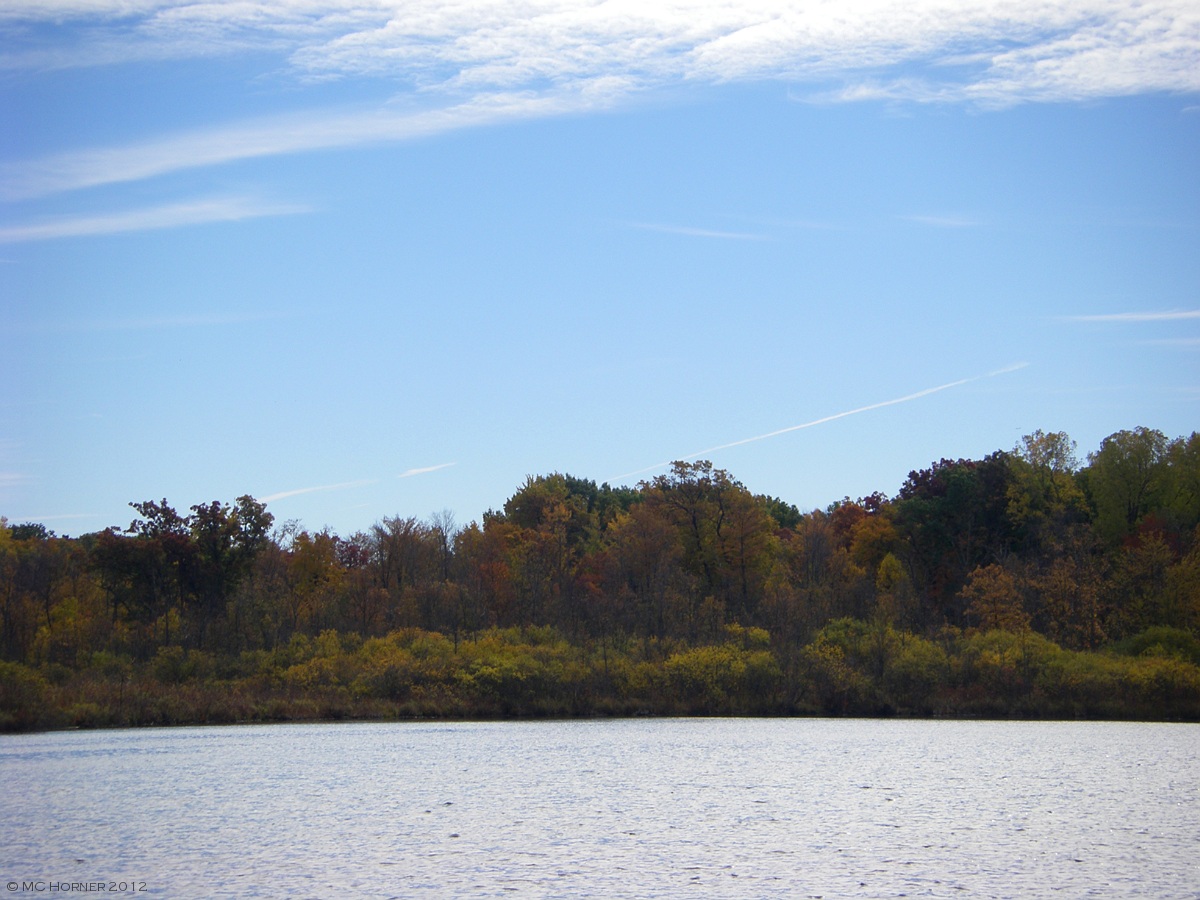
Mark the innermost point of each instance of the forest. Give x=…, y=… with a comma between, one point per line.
x=1029, y=583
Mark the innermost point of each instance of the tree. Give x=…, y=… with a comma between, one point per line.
x=827, y=581
x=1126, y=480
x=1070, y=606
x=572, y=502
x=1182, y=505
x=366, y=599
x=648, y=581
x=1182, y=601
x=398, y=547
x=226, y=539
x=993, y=599
x=784, y=514
x=148, y=570
x=483, y=555
x=724, y=531
x=30, y=531
x=952, y=517
x=1044, y=499
x=443, y=530
x=17, y=614
x=166, y=568
x=314, y=576
x=1138, y=585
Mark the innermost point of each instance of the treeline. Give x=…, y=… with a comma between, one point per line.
x=1024, y=583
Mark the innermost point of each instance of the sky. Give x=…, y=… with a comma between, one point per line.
x=371, y=258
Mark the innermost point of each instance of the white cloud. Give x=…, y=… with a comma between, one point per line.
x=477, y=62
x=423, y=470
x=171, y=216
x=1008, y=49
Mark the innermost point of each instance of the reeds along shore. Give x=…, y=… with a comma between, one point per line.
x=852, y=668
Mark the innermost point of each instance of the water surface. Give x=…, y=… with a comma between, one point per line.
x=628, y=808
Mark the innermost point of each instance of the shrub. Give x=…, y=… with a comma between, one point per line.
x=24, y=696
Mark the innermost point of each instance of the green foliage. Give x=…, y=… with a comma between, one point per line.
x=723, y=678
x=915, y=674
x=952, y=518
x=174, y=665
x=1162, y=641
x=1127, y=478
x=831, y=684
x=784, y=514
x=24, y=698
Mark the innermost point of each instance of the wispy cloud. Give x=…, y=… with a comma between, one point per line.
x=345, y=485
x=1138, y=317
x=943, y=221
x=271, y=137
x=478, y=62
x=58, y=517
x=700, y=232
x=197, y=212
x=1189, y=343
x=12, y=479
x=149, y=323
x=907, y=398
x=797, y=224
x=423, y=470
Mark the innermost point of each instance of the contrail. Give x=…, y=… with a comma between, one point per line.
x=312, y=490
x=850, y=412
x=409, y=473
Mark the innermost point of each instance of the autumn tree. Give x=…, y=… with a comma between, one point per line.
x=1137, y=588
x=647, y=582
x=825, y=580
x=1070, y=608
x=483, y=555
x=994, y=599
x=725, y=534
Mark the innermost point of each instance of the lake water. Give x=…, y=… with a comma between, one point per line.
x=632, y=808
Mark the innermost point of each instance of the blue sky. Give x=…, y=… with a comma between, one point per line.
x=363, y=259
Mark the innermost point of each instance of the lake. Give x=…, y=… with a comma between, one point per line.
x=627, y=808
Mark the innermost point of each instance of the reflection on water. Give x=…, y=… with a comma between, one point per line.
x=646, y=808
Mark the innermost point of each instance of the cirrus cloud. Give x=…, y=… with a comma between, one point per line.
x=479, y=62
x=196, y=212
x=1171, y=315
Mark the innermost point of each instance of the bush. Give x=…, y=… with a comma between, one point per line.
x=24, y=698
x=1162, y=641
x=916, y=672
